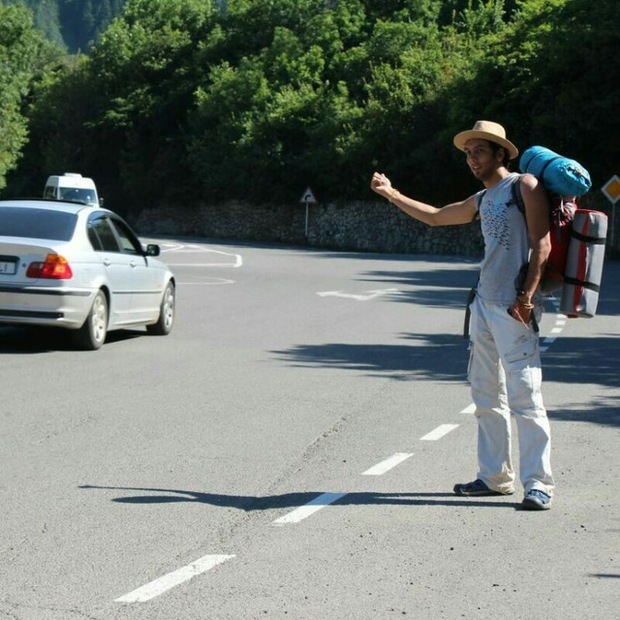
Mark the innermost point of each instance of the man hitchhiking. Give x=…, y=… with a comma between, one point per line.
x=504, y=369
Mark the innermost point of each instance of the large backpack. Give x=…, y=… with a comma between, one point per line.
x=561, y=217
x=578, y=236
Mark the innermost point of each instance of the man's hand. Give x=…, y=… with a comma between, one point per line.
x=381, y=185
x=521, y=312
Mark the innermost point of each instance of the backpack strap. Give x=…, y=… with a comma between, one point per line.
x=479, y=198
x=470, y=298
x=517, y=196
x=472, y=293
x=585, y=284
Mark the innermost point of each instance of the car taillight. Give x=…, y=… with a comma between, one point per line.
x=54, y=267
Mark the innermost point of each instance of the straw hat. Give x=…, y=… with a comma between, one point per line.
x=486, y=130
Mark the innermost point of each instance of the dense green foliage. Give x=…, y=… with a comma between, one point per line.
x=183, y=101
x=23, y=54
x=73, y=24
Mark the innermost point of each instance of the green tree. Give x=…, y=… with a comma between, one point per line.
x=46, y=17
x=23, y=53
x=83, y=21
x=553, y=77
x=72, y=24
x=280, y=116
x=141, y=78
x=256, y=99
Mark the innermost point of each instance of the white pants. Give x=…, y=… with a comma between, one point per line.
x=505, y=375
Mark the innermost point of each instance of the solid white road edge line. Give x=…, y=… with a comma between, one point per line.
x=180, y=248
x=308, y=509
x=380, y=468
x=207, y=281
x=439, y=432
x=165, y=583
x=171, y=264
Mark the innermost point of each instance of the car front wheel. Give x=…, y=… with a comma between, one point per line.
x=166, y=313
x=92, y=334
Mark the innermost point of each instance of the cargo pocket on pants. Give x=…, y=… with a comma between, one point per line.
x=522, y=353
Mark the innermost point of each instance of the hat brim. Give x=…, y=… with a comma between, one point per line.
x=462, y=138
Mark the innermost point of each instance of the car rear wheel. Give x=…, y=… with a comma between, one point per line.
x=166, y=313
x=92, y=334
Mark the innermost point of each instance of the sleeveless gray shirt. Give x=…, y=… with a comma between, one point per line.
x=506, y=243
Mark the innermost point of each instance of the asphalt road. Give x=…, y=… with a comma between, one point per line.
x=289, y=452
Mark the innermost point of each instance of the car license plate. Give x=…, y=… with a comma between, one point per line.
x=8, y=267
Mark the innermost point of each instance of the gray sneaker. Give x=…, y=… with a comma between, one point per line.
x=477, y=488
x=536, y=499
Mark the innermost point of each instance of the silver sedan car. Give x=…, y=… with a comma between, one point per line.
x=81, y=268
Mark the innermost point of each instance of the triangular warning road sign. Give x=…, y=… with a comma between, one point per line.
x=308, y=197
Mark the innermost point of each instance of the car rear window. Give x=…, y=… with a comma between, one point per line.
x=37, y=223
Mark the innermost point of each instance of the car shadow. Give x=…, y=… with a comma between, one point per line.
x=35, y=340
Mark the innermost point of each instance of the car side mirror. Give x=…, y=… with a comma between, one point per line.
x=152, y=249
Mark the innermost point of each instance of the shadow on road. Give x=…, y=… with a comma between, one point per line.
x=249, y=503
x=438, y=356
x=591, y=361
x=35, y=340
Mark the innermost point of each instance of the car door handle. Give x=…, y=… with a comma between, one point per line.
x=132, y=264
x=107, y=262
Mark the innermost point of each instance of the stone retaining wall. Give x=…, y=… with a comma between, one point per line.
x=353, y=226
x=360, y=226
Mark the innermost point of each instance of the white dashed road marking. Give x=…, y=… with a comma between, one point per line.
x=299, y=514
x=439, y=432
x=165, y=583
x=236, y=260
x=206, y=563
x=560, y=322
x=380, y=468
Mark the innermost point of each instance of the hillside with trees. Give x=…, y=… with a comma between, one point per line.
x=24, y=56
x=74, y=25
x=201, y=101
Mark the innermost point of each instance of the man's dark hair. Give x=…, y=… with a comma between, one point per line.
x=495, y=148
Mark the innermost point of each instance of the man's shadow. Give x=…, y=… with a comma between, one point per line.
x=252, y=503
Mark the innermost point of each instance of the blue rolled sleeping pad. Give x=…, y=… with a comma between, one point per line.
x=560, y=175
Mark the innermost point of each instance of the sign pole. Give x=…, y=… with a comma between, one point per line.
x=307, y=199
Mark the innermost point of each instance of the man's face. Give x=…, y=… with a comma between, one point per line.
x=481, y=160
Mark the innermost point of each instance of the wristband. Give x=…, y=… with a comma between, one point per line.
x=527, y=306
x=524, y=300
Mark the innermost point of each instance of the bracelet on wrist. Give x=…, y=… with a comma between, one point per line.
x=526, y=304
